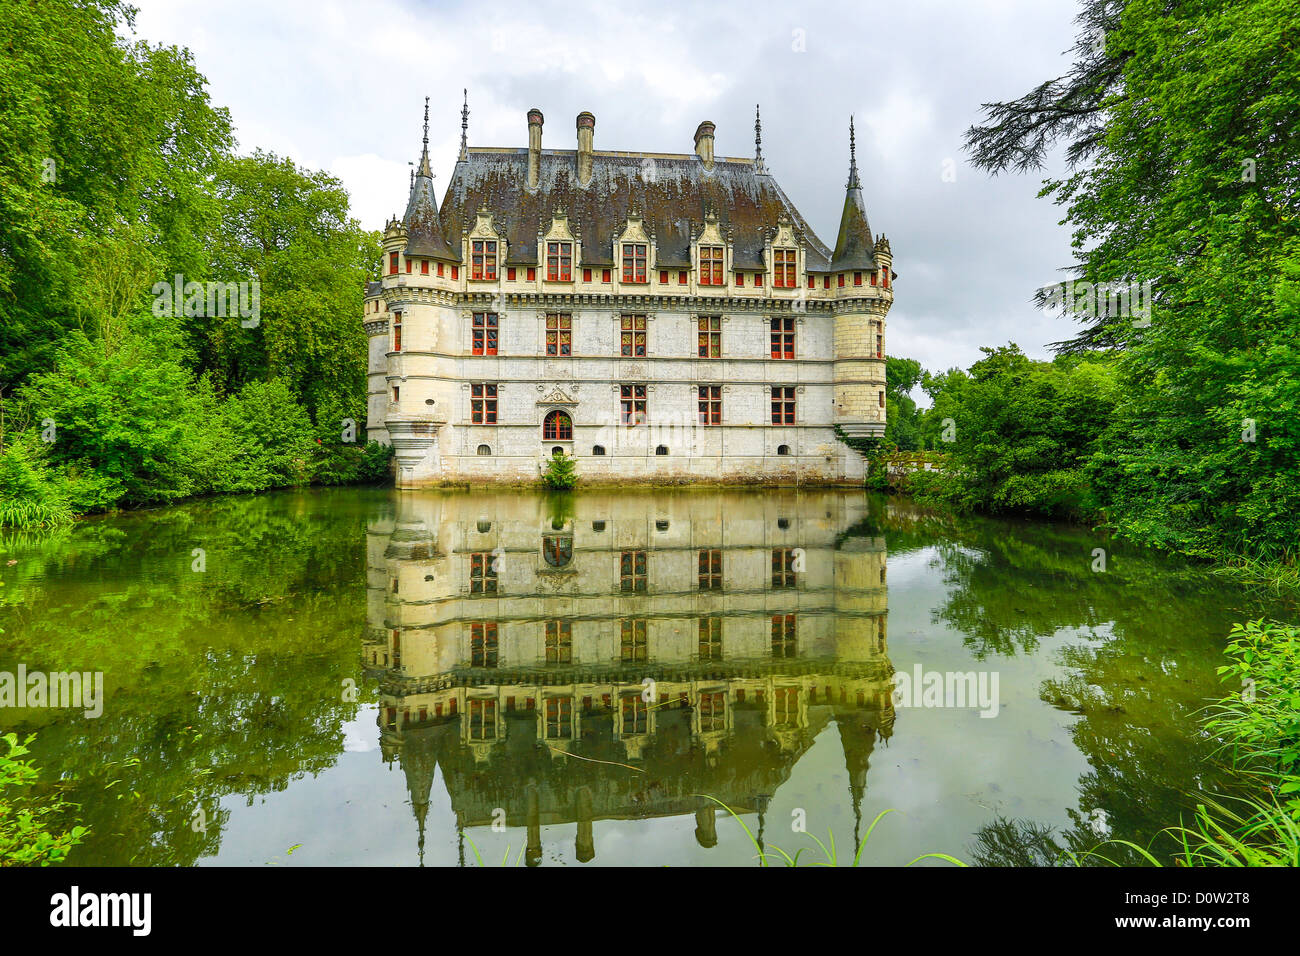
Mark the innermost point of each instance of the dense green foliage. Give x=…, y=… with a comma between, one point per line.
x=1185, y=431
x=116, y=174
x=26, y=834
x=560, y=474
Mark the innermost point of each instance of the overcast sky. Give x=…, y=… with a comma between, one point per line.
x=340, y=86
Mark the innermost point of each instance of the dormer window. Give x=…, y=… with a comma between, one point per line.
x=634, y=262
x=484, y=259
x=559, y=262
x=785, y=269
x=711, y=265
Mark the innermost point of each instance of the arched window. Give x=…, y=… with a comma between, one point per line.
x=598, y=449
x=557, y=452
x=485, y=449
x=783, y=449
x=661, y=450
x=557, y=426
x=484, y=526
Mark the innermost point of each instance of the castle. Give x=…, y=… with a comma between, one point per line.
x=657, y=317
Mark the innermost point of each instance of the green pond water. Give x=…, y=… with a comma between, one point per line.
x=373, y=677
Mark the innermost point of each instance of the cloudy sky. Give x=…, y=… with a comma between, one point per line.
x=340, y=86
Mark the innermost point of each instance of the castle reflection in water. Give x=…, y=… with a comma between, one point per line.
x=537, y=649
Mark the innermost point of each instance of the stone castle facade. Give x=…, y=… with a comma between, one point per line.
x=657, y=317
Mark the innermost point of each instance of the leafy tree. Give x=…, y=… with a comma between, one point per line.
x=101, y=137
x=1186, y=114
x=1023, y=431
x=902, y=419
x=560, y=474
x=289, y=230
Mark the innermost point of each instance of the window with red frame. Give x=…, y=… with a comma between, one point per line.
x=784, y=636
x=663, y=276
x=455, y=272
x=634, y=262
x=713, y=712
x=710, y=339
x=483, y=644
x=483, y=259
x=532, y=275
x=408, y=266
x=826, y=282
x=884, y=278
x=783, y=572
x=839, y=280
x=482, y=573
x=483, y=333
x=632, y=404
x=424, y=267
x=392, y=263
x=559, y=262
x=873, y=278
x=782, y=404
x=783, y=337
x=711, y=265
x=559, y=334
x=784, y=277
x=710, y=572
x=632, y=335
x=880, y=346
x=483, y=404
x=397, y=331
x=710, y=404
x=586, y=275
x=857, y=278
x=510, y=273
x=681, y=278
x=440, y=268
x=740, y=278
x=482, y=720
x=557, y=426
x=758, y=278
x=604, y=275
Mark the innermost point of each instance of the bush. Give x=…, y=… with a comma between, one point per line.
x=26, y=837
x=273, y=435
x=560, y=474
x=31, y=495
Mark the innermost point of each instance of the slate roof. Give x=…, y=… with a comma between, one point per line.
x=672, y=192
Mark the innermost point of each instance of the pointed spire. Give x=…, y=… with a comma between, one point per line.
x=759, y=166
x=464, y=128
x=855, y=247
x=424, y=153
x=854, y=182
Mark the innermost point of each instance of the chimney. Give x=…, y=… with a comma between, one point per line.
x=586, y=133
x=535, y=120
x=704, y=143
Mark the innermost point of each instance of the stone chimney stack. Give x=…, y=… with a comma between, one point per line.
x=704, y=143
x=586, y=137
x=535, y=120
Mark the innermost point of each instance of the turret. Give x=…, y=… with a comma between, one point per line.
x=859, y=369
x=424, y=232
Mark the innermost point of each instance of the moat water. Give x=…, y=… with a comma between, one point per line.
x=372, y=677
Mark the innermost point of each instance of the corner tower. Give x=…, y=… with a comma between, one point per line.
x=863, y=295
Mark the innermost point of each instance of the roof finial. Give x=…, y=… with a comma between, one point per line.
x=758, y=142
x=424, y=168
x=426, y=124
x=854, y=183
x=464, y=128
